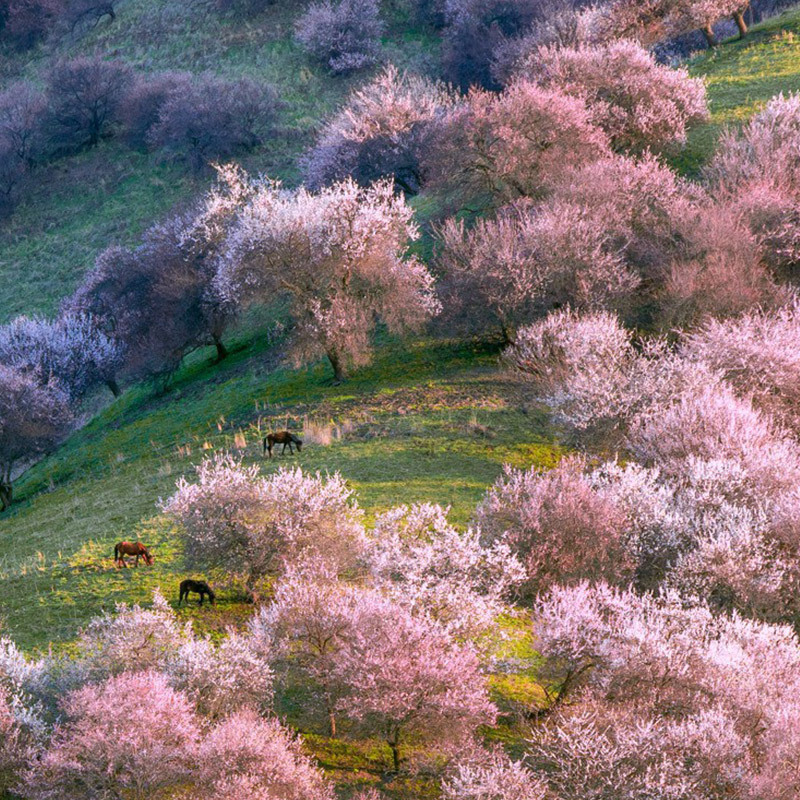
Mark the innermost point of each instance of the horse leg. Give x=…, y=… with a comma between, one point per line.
x=291, y=451
x=202, y=595
x=137, y=561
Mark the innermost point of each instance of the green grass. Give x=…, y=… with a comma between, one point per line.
x=741, y=76
x=430, y=421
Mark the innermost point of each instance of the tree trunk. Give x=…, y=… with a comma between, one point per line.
x=395, y=746
x=6, y=495
x=738, y=18
x=222, y=351
x=338, y=370
x=114, y=386
x=708, y=32
x=332, y=720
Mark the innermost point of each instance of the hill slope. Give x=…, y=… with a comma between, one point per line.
x=430, y=421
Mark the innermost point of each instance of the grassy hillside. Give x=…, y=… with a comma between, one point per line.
x=80, y=205
x=743, y=75
x=432, y=421
x=429, y=422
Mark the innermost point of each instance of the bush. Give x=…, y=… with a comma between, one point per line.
x=210, y=119
x=249, y=526
x=85, y=96
x=474, y=30
x=640, y=104
x=382, y=131
x=344, y=36
x=143, y=104
x=561, y=529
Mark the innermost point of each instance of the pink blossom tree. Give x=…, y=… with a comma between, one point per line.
x=310, y=619
x=344, y=35
x=33, y=418
x=528, y=260
x=16, y=745
x=666, y=694
x=561, y=529
x=754, y=171
x=493, y=778
x=419, y=559
x=131, y=736
x=71, y=350
x=220, y=679
x=247, y=757
x=132, y=638
x=758, y=354
x=403, y=677
x=514, y=144
x=341, y=259
x=639, y=103
x=233, y=519
x=382, y=131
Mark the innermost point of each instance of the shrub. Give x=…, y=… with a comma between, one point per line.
x=211, y=119
x=108, y=748
x=515, y=144
x=85, y=96
x=143, y=104
x=639, y=103
x=33, y=418
x=475, y=29
x=561, y=529
x=234, y=520
x=343, y=35
x=382, y=131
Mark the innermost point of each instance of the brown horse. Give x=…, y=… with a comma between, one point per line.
x=137, y=549
x=282, y=437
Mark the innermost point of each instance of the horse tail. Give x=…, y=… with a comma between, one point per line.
x=116, y=552
x=265, y=444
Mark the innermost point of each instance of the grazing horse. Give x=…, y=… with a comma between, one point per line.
x=200, y=587
x=137, y=549
x=282, y=437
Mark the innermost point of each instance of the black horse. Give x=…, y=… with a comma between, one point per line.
x=200, y=587
x=282, y=437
